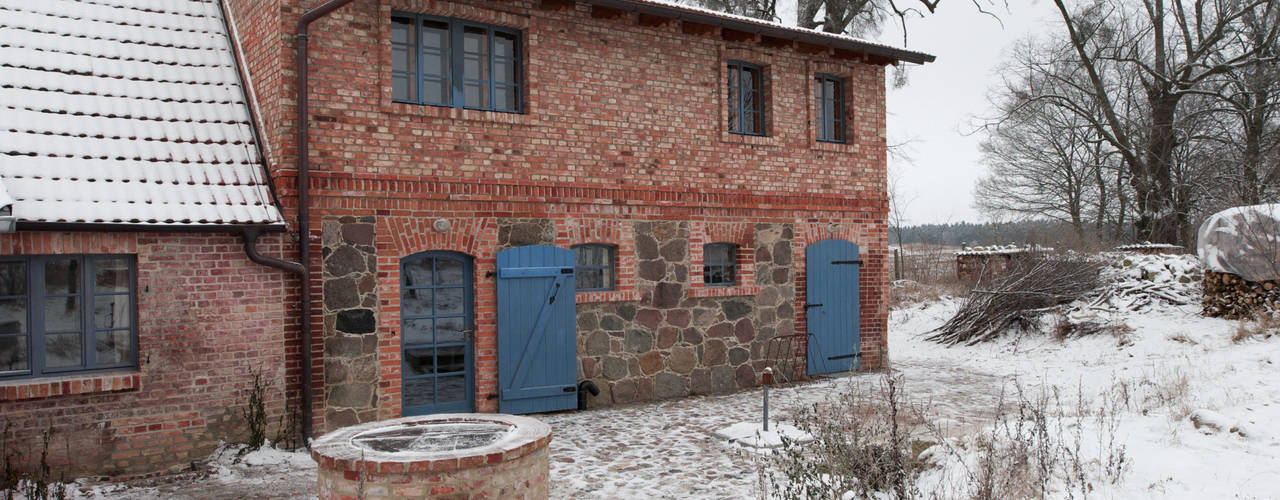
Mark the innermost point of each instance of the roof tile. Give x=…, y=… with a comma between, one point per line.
x=126, y=111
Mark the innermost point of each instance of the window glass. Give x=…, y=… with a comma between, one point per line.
x=828, y=92
x=746, y=98
x=44, y=326
x=719, y=264
x=593, y=267
x=403, y=67
x=458, y=64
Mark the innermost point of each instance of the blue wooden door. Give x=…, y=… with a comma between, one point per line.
x=831, y=311
x=537, y=327
x=435, y=342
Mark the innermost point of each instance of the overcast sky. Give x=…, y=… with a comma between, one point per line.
x=935, y=110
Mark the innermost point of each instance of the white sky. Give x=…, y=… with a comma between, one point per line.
x=936, y=109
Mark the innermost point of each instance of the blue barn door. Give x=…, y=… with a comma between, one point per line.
x=537, y=330
x=831, y=311
x=435, y=342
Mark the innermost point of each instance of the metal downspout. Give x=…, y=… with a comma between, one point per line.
x=304, y=199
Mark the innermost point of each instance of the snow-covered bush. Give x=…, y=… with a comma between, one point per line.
x=863, y=446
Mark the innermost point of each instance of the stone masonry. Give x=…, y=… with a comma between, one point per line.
x=670, y=344
x=350, y=325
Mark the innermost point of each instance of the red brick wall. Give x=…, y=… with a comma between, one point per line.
x=207, y=318
x=625, y=121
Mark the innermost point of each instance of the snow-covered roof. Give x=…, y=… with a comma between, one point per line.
x=1244, y=241
x=681, y=9
x=126, y=112
x=1003, y=250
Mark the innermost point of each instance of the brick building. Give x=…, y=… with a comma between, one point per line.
x=508, y=198
x=504, y=199
x=131, y=317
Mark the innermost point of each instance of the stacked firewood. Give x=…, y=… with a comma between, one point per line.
x=1230, y=296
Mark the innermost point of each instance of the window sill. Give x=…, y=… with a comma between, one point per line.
x=69, y=385
x=756, y=140
x=607, y=296
x=723, y=291
x=835, y=147
x=446, y=112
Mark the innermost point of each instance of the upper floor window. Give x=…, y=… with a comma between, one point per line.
x=828, y=96
x=456, y=63
x=593, y=267
x=746, y=98
x=719, y=264
x=66, y=313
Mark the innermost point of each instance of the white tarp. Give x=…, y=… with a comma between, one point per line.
x=1244, y=241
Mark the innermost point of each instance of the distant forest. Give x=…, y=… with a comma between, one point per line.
x=1048, y=233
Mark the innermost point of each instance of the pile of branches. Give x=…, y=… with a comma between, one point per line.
x=1015, y=301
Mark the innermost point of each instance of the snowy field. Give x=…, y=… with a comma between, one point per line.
x=1129, y=401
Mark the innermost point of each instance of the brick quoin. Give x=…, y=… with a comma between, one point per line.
x=624, y=123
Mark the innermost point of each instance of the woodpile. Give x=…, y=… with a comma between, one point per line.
x=1015, y=301
x=1232, y=297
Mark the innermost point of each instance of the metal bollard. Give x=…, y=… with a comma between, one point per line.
x=765, y=379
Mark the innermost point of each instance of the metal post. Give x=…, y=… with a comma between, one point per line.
x=766, y=379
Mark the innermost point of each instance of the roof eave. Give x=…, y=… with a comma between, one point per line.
x=798, y=35
x=147, y=228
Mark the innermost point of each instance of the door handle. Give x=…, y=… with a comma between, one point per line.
x=468, y=333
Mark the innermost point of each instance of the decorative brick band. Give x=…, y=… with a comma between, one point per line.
x=66, y=386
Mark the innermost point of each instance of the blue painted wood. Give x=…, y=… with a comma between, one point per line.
x=534, y=272
x=832, y=313
x=437, y=391
x=537, y=330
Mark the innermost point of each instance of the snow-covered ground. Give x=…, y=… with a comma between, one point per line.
x=1173, y=365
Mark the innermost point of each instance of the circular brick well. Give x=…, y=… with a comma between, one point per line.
x=460, y=456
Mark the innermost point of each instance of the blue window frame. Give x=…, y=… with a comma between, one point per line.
x=720, y=264
x=593, y=267
x=456, y=63
x=746, y=98
x=828, y=97
x=63, y=314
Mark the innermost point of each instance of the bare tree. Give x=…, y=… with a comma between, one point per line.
x=1173, y=51
x=1046, y=160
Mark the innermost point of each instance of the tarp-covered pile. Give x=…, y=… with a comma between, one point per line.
x=1244, y=241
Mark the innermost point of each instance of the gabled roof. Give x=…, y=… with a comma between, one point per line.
x=126, y=112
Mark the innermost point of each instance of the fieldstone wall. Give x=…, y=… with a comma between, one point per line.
x=517, y=232
x=350, y=303
x=669, y=344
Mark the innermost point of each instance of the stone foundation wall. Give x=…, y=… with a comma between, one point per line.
x=671, y=343
x=350, y=303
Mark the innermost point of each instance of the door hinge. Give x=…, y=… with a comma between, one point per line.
x=845, y=356
x=810, y=306
x=854, y=262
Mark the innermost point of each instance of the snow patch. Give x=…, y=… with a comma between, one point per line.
x=752, y=434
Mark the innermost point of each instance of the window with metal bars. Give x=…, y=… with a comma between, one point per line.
x=456, y=63
x=593, y=267
x=746, y=98
x=720, y=264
